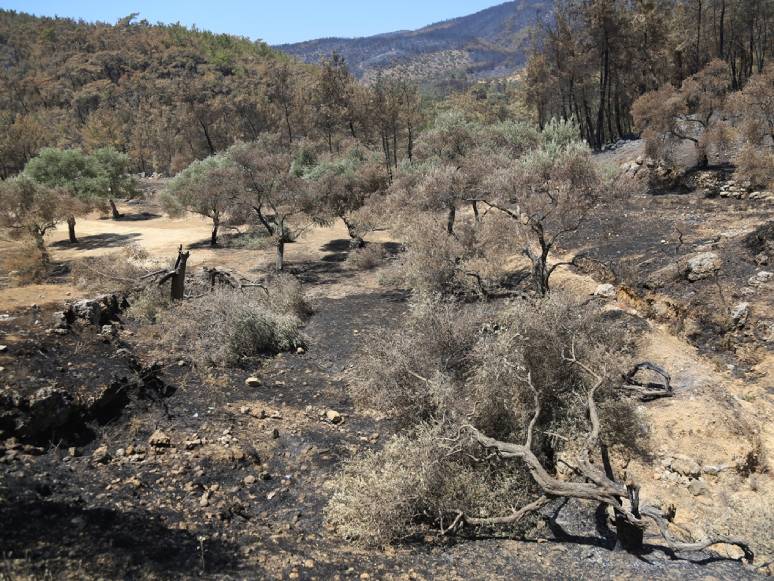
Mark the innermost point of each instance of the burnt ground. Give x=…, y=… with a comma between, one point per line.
x=236, y=483
x=641, y=243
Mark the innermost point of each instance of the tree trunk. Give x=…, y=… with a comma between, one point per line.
x=71, y=229
x=214, y=235
x=450, y=219
x=356, y=241
x=40, y=244
x=540, y=276
x=116, y=213
x=474, y=205
x=280, y=255
x=178, y=278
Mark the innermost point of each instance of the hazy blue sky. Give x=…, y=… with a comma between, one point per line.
x=275, y=21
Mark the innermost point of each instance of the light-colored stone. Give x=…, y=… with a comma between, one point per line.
x=703, y=265
x=159, y=440
x=761, y=278
x=698, y=487
x=740, y=314
x=686, y=466
x=101, y=455
x=333, y=417
x=252, y=382
x=606, y=291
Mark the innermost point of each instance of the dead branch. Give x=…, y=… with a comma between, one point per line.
x=648, y=391
x=596, y=486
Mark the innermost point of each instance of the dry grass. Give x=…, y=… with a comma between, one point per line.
x=22, y=263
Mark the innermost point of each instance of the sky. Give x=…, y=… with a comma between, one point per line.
x=274, y=21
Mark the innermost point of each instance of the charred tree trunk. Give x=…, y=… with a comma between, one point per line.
x=452, y=216
x=474, y=205
x=215, y=227
x=178, y=276
x=71, y=230
x=114, y=210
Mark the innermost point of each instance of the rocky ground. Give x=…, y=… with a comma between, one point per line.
x=119, y=460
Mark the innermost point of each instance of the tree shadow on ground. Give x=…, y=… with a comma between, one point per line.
x=106, y=542
x=137, y=217
x=107, y=240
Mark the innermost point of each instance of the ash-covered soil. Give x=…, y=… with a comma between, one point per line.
x=197, y=474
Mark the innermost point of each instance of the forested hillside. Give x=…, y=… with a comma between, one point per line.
x=591, y=60
x=488, y=43
x=165, y=94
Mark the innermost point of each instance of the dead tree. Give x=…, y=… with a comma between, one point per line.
x=596, y=485
x=176, y=275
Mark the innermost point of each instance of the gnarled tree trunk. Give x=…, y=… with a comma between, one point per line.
x=71, y=229
x=114, y=209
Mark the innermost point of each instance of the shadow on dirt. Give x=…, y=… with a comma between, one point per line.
x=107, y=240
x=138, y=217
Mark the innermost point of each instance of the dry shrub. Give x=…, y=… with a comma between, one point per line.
x=366, y=258
x=148, y=304
x=22, y=262
x=451, y=365
x=119, y=271
x=229, y=327
x=381, y=497
x=436, y=263
x=435, y=339
x=285, y=295
x=756, y=165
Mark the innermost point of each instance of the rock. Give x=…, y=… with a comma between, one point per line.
x=3, y=348
x=300, y=350
x=606, y=291
x=686, y=466
x=698, y=487
x=760, y=278
x=333, y=417
x=740, y=314
x=101, y=455
x=703, y=266
x=762, y=259
x=204, y=501
x=249, y=480
x=159, y=440
x=72, y=451
x=252, y=382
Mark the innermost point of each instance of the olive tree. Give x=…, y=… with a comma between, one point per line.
x=340, y=187
x=93, y=179
x=113, y=177
x=31, y=209
x=207, y=187
x=269, y=191
x=548, y=192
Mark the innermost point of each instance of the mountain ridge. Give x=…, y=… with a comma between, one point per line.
x=488, y=43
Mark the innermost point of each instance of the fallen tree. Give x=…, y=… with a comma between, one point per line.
x=502, y=413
